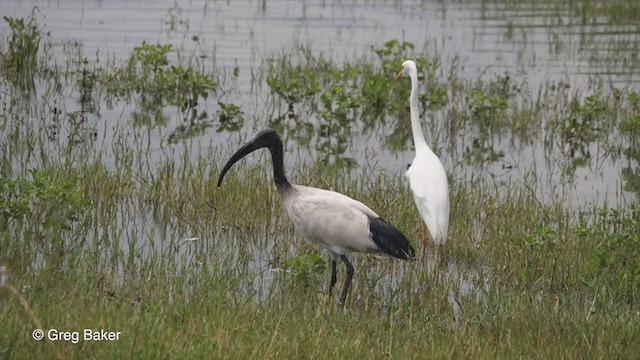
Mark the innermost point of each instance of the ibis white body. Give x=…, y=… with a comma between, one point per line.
x=335, y=221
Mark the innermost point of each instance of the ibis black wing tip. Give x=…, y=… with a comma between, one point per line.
x=390, y=240
x=410, y=254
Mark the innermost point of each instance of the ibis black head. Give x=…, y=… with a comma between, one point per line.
x=265, y=139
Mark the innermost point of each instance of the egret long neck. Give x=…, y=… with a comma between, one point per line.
x=416, y=128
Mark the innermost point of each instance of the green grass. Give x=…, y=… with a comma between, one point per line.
x=122, y=233
x=539, y=281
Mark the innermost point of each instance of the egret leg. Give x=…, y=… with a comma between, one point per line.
x=442, y=256
x=347, y=281
x=424, y=233
x=334, y=276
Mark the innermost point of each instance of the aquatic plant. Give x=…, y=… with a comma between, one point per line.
x=149, y=75
x=19, y=63
x=293, y=83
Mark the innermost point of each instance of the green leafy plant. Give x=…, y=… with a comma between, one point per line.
x=149, y=74
x=377, y=96
x=141, y=74
x=338, y=104
x=394, y=52
x=183, y=86
x=292, y=83
x=382, y=85
x=581, y=127
x=485, y=108
x=304, y=266
x=55, y=204
x=86, y=85
x=630, y=125
x=434, y=99
x=383, y=96
x=230, y=116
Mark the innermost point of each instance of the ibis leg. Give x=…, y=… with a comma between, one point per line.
x=347, y=281
x=334, y=276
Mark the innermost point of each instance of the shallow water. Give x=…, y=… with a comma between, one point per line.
x=542, y=42
x=545, y=41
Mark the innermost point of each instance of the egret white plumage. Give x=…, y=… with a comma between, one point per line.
x=427, y=177
x=335, y=221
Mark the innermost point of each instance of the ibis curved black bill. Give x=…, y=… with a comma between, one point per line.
x=265, y=139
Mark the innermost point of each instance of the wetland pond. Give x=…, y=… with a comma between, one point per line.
x=501, y=73
x=533, y=92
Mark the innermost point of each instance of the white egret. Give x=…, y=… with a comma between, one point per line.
x=426, y=174
x=333, y=220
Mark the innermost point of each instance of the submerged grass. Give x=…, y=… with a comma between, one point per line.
x=133, y=236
